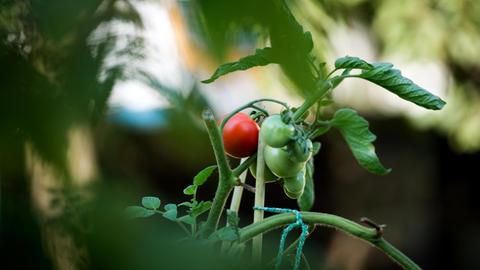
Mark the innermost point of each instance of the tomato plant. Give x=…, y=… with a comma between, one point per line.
x=240, y=136
x=285, y=150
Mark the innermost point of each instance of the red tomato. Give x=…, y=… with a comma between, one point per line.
x=240, y=136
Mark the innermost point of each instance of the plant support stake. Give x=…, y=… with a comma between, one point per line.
x=259, y=201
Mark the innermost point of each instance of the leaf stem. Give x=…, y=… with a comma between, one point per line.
x=367, y=234
x=248, y=105
x=310, y=101
x=178, y=222
x=226, y=178
x=244, y=165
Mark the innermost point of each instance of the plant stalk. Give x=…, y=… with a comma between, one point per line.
x=226, y=178
x=370, y=235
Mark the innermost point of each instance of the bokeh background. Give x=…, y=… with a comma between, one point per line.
x=100, y=104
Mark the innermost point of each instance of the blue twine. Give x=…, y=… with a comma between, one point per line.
x=303, y=236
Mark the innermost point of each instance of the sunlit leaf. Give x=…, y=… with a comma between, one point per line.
x=170, y=212
x=138, y=212
x=384, y=75
x=151, y=202
x=261, y=57
x=203, y=175
x=190, y=190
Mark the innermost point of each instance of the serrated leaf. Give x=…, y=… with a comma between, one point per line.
x=170, y=212
x=151, y=202
x=307, y=199
x=138, y=212
x=350, y=62
x=187, y=219
x=190, y=190
x=262, y=57
x=391, y=79
x=201, y=208
x=354, y=130
x=203, y=175
x=384, y=75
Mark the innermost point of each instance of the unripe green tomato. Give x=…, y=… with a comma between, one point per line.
x=295, y=184
x=268, y=175
x=279, y=162
x=275, y=133
x=292, y=195
x=301, y=150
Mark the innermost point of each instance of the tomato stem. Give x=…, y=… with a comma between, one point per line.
x=244, y=165
x=310, y=101
x=251, y=104
x=226, y=177
x=370, y=235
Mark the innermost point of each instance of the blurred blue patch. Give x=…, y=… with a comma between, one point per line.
x=142, y=120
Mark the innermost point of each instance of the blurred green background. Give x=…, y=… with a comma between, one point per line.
x=100, y=104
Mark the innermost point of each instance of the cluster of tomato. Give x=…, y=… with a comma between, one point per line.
x=286, y=153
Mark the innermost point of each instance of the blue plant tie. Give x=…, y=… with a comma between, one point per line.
x=301, y=242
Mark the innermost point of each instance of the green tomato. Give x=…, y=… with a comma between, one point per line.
x=275, y=133
x=292, y=195
x=295, y=184
x=279, y=162
x=268, y=175
x=301, y=149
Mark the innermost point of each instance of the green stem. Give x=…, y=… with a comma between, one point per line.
x=178, y=222
x=248, y=105
x=244, y=165
x=368, y=234
x=310, y=101
x=226, y=178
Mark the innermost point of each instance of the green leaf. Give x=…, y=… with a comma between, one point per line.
x=227, y=233
x=170, y=212
x=384, y=75
x=350, y=62
x=188, y=219
x=151, y=202
x=316, y=148
x=203, y=175
x=201, y=208
x=391, y=79
x=262, y=57
x=306, y=201
x=188, y=204
x=138, y=212
x=190, y=190
x=354, y=130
